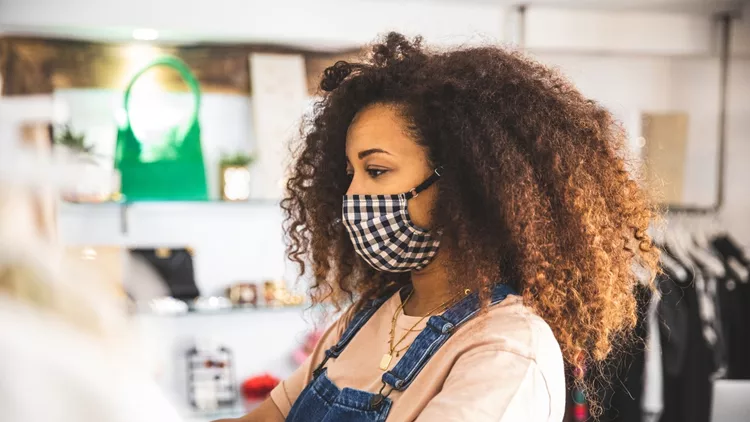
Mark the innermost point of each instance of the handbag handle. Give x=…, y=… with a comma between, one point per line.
x=187, y=76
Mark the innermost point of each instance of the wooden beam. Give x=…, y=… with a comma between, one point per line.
x=40, y=66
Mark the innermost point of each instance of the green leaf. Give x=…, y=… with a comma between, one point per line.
x=237, y=159
x=74, y=141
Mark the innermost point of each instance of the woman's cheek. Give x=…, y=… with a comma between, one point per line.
x=420, y=209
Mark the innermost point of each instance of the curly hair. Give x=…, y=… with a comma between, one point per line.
x=535, y=191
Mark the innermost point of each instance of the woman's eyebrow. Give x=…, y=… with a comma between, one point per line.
x=365, y=153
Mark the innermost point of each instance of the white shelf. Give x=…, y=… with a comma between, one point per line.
x=105, y=208
x=227, y=311
x=161, y=223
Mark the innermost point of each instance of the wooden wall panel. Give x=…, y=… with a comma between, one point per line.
x=4, y=51
x=316, y=63
x=39, y=66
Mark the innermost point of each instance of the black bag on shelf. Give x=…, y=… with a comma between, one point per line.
x=175, y=267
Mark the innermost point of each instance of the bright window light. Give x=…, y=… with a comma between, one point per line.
x=145, y=34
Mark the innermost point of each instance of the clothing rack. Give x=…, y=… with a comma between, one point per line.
x=725, y=24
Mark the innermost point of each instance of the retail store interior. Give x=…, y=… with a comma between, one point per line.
x=200, y=257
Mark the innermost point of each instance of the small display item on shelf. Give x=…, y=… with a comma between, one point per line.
x=271, y=291
x=93, y=179
x=293, y=299
x=211, y=382
x=211, y=303
x=169, y=168
x=276, y=294
x=175, y=268
x=243, y=294
x=259, y=387
x=168, y=306
x=234, y=175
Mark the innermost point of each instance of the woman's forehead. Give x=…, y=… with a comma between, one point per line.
x=382, y=127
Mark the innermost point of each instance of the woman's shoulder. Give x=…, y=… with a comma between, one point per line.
x=512, y=340
x=511, y=326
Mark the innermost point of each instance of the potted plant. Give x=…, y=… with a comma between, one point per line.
x=74, y=143
x=92, y=180
x=235, y=176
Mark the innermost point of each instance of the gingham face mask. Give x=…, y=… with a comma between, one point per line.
x=384, y=235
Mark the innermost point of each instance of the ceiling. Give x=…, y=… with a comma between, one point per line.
x=682, y=6
x=324, y=25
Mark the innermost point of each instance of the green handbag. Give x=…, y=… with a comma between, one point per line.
x=176, y=171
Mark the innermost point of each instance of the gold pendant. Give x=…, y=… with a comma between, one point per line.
x=385, y=362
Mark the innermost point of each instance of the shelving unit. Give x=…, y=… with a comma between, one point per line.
x=122, y=211
x=227, y=311
x=233, y=242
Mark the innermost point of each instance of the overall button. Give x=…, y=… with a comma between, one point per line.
x=376, y=401
x=447, y=328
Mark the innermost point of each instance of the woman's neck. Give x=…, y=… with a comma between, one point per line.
x=432, y=287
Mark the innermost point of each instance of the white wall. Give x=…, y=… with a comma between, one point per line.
x=631, y=85
x=736, y=212
x=632, y=79
x=597, y=31
x=14, y=111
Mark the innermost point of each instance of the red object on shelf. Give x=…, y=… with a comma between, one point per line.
x=259, y=387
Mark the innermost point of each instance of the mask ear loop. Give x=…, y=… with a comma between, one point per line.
x=426, y=184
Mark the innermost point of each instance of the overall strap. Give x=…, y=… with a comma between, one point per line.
x=357, y=322
x=439, y=329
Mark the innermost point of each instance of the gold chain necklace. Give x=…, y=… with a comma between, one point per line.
x=385, y=361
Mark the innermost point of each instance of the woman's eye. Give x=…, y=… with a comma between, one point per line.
x=375, y=173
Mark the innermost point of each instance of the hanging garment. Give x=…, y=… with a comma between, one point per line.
x=652, y=403
x=673, y=319
x=171, y=170
x=708, y=267
x=324, y=401
x=709, y=311
x=734, y=296
x=623, y=402
x=687, y=382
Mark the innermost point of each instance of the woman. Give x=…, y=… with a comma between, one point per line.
x=487, y=234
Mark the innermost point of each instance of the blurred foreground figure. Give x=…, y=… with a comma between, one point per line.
x=66, y=351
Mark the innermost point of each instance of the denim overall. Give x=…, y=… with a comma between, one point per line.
x=323, y=401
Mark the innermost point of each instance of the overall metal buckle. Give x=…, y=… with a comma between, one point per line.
x=378, y=399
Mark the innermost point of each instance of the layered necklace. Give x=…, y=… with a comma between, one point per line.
x=393, y=350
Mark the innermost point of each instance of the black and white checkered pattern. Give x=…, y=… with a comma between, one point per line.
x=384, y=235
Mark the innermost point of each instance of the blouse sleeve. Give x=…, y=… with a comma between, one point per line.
x=491, y=385
x=285, y=394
